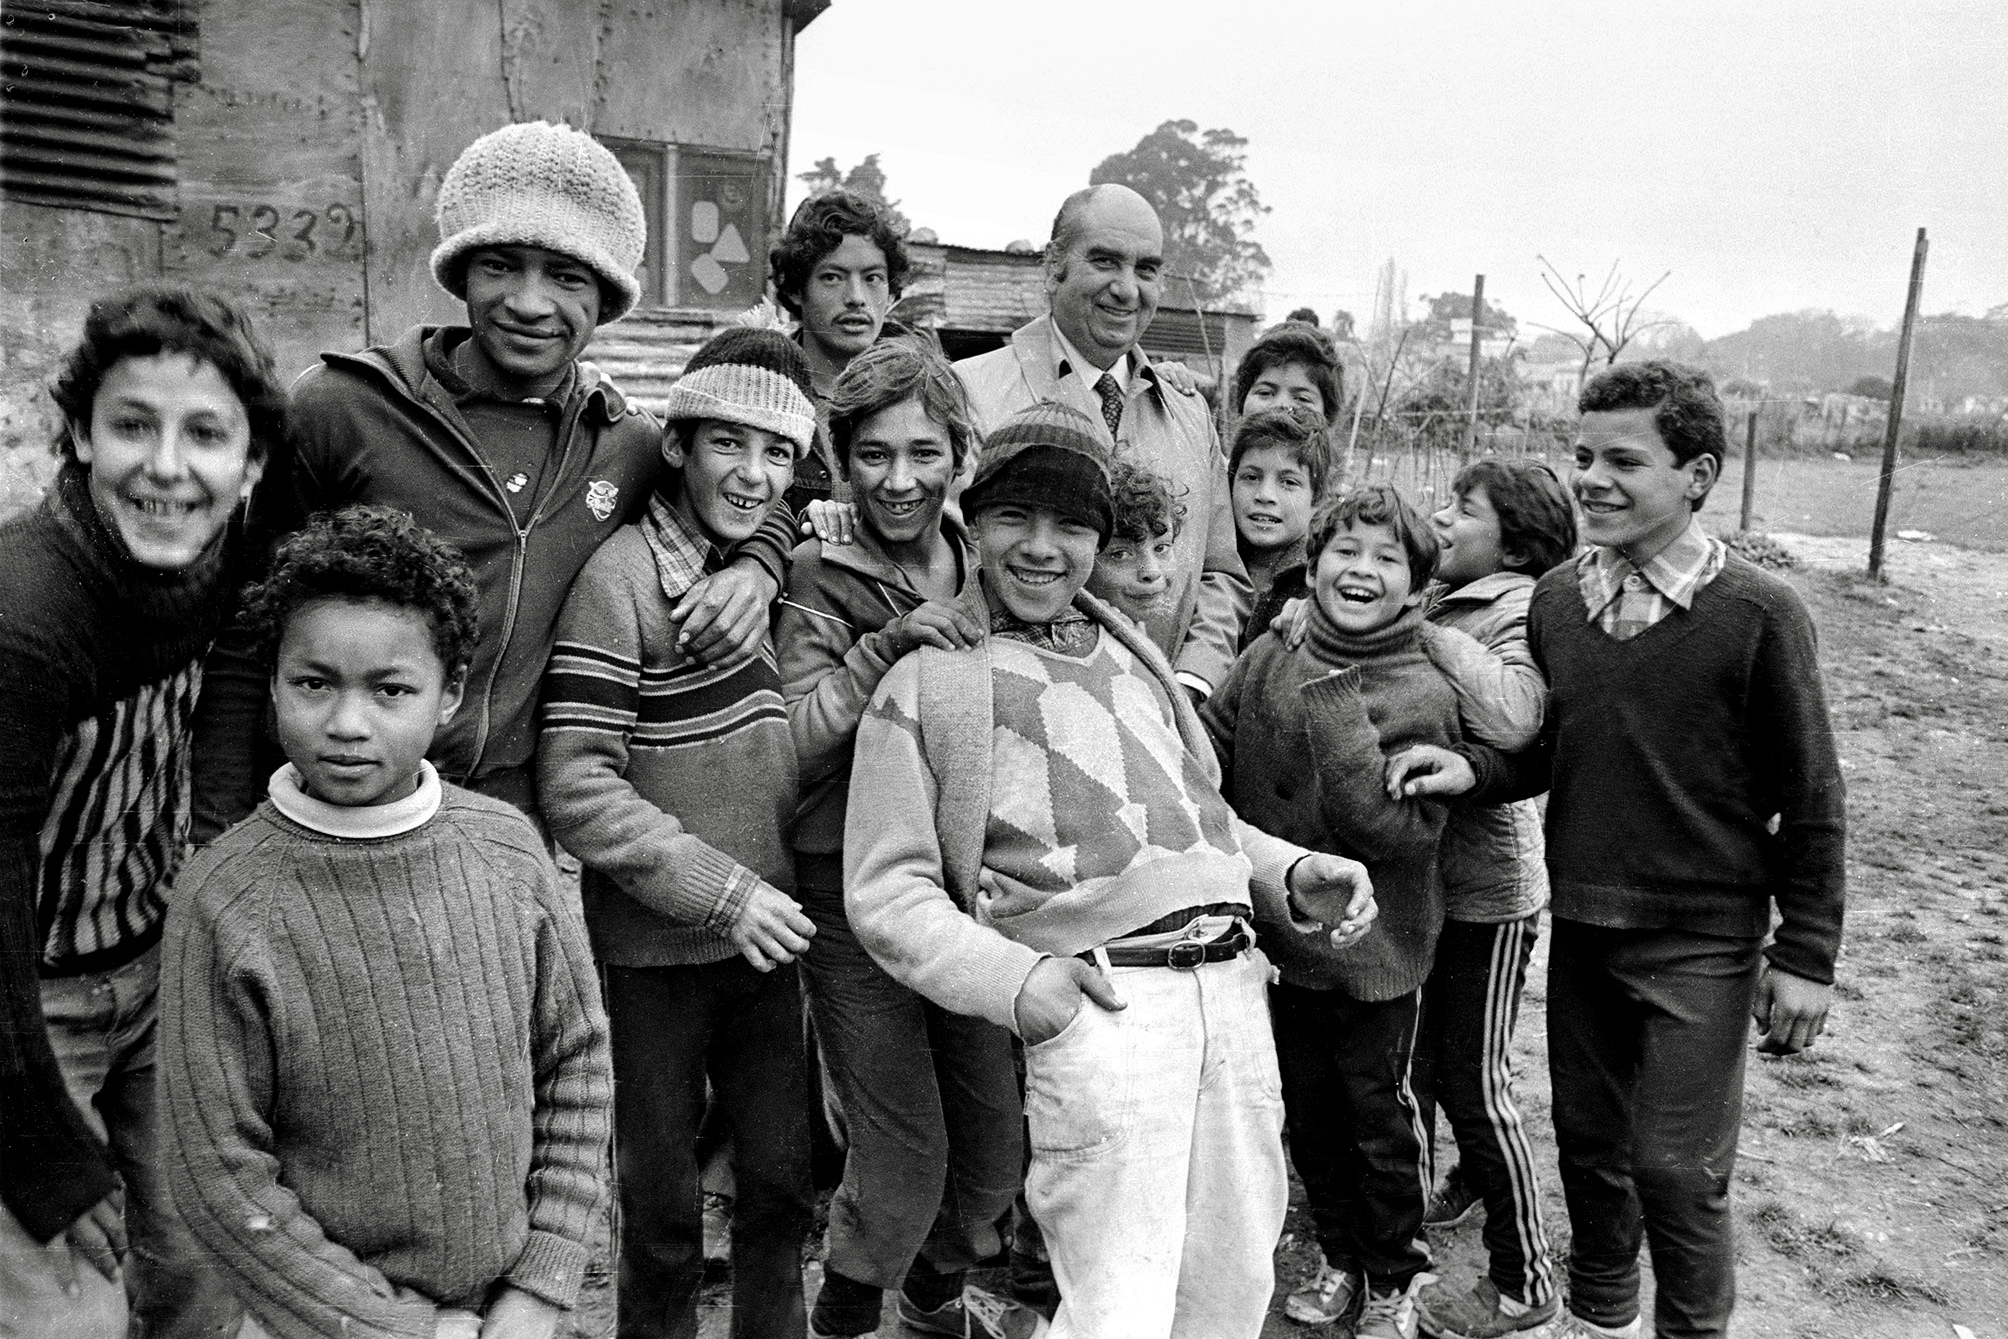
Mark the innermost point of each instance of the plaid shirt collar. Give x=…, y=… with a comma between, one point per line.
x=1668, y=579
x=1073, y=633
x=683, y=556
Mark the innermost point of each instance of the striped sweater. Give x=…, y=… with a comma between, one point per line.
x=386, y=1064
x=672, y=781
x=100, y=665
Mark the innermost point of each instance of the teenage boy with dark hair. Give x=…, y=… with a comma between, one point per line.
x=838, y=269
x=1693, y=785
x=1292, y=365
x=930, y=1098
x=499, y=439
x=674, y=783
x=1276, y=474
x=1303, y=734
x=1506, y=524
x=381, y=1036
x=1035, y=837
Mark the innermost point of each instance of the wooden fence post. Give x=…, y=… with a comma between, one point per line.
x=1888, y=479
x=1749, y=470
x=1470, y=437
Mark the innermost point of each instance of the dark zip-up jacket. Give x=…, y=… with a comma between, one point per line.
x=380, y=427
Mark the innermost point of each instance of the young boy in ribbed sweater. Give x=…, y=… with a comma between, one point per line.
x=1303, y=734
x=674, y=781
x=1035, y=836
x=381, y=1036
x=1694, y=787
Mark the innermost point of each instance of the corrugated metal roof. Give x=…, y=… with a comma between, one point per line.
x=644, y=353
x=87, y=102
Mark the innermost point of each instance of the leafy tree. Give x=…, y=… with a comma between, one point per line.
x=1305, y=314
x=1873, y=388
x=1342, y=325
x=866, y=179
x=1208, y=206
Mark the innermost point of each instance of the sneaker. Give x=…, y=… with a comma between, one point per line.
x=1393, y=1314
x=1451, y=1205
x=1569, y=1325
x=1332, y=1294
x=977, y=1314
x=1482, y=1313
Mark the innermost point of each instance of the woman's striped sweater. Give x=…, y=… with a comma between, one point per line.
x=100, y=665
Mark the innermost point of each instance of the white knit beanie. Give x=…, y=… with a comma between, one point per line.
x=751, y=376
x=538, y=184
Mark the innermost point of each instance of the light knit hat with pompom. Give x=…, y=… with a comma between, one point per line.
x=538, y=184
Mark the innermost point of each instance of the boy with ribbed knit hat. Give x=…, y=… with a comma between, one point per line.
x=497, y=437
x=1303, y=734
x=381, y=1037
x=674, y=781
x=1035, y=836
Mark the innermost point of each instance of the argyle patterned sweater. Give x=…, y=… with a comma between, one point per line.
x=1010, y=803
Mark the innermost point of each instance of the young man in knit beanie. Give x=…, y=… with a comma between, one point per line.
x=495, y=436
x=675, y=783
x=1303, y=733
x=381, y=1037
x=1035, y=837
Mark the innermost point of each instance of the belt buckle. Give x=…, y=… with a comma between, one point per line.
x=1185, y=956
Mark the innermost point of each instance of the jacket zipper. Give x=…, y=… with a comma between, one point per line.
x=521, y=559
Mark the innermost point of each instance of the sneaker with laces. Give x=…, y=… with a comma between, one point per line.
x=1392, y=1314
x=1331, y=1294
x=1455, y=1202
x=1482, y=1313
x=1569, y=1325
x=977, y=1314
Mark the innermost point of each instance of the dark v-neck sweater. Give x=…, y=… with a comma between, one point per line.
x=1670, y=754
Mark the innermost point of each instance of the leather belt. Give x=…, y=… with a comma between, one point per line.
x=1184, y=956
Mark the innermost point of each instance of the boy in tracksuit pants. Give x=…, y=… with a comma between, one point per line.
x=1694, y=786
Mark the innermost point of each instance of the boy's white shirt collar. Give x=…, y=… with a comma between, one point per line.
x=1085, y=370
x=357, y=822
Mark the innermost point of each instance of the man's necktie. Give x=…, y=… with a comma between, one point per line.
x=1112, y=402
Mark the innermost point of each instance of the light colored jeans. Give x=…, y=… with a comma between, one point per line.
x=1157, y=1156
x=101, y=1027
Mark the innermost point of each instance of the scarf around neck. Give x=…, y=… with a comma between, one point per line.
x=1334, y=645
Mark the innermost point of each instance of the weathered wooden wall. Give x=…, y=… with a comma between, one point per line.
x=312, y=147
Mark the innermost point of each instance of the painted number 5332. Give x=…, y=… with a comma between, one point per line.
x=255, y=231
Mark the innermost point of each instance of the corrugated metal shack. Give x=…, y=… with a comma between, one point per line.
x=289, y=151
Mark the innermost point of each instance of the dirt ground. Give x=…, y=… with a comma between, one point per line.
x=1872, y=1191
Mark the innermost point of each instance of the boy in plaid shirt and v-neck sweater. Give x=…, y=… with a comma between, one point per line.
x=1694, y=786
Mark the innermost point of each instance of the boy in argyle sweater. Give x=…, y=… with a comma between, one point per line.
x=1036, y=836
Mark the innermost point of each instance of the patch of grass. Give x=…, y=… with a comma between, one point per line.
x=1796, y=1239
x=1906, y=932
x=1792, y=1073
x=1886, y=1285
x=1809, y=1125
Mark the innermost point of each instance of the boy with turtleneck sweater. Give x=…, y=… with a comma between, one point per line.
x=1358, y=688
x=1036, y=836
x=381, y=1033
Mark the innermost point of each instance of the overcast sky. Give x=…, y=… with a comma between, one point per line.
x=1774, y=156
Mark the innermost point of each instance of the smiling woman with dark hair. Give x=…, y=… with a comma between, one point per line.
x=112, y=590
